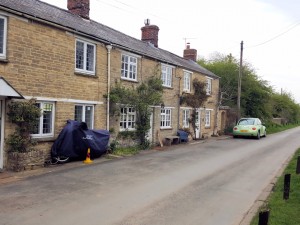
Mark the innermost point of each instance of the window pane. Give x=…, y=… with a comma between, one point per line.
x=78, y=113
x=79, y=54
x=37, y=126
x=2, y=35
x=47, y=118
x=89, y=116
x=127, y=118
x=90, y=58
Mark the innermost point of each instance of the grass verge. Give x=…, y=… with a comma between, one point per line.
x=126, y=151
x=284, y=212
x=274, y=128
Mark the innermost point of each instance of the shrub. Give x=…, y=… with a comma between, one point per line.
x=25, y=115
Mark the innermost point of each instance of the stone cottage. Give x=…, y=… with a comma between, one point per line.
x=68, y=63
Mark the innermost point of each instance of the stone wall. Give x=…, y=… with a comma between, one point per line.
x=26, y=161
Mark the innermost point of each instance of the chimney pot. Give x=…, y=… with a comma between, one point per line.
x=147, y=22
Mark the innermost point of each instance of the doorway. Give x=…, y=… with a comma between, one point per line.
x=1, y=132
x=150, y=131
x=198, y=124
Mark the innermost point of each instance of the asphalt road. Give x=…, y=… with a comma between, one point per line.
x=211, y=183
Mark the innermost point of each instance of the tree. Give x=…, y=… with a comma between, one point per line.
x=258, y=99
x=141, y=98
x=227, y=67
x=256, y=93
x=283, y=106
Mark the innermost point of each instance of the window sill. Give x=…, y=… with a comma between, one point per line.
x=130, y=80
x=166, y=128
x=127, y=129
x=168, y=87
x=43, y=139
x=207, y=127
x=3, y=60
x=85, y=74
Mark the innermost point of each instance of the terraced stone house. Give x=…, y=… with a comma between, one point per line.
x=69, y=62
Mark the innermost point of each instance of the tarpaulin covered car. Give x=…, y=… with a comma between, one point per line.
x=75, y=139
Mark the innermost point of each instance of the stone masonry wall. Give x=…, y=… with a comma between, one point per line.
x=41, y=63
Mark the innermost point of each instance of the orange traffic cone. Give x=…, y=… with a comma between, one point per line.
x=88, y=157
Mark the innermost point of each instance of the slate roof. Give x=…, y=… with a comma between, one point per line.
x=49, y=13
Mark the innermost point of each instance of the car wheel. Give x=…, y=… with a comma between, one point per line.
x=265, y=134
x=258, y=135
x=234, y=136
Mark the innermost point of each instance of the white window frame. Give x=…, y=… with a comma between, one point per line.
x=187, y=81
x=84, y=69
x=129, y=73
x=40, y=133
x=207, y=117
x=208, y=85
x=3, y=54
x=166, y=75
x=85, y=107
x=165, y=118
x=127, y=119
x=186, y=118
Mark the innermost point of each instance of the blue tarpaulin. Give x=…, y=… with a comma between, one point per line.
x=75, y=139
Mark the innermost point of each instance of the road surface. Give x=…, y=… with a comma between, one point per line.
x=210, y=183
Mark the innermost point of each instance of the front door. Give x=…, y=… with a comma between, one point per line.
x=150, y=132
x=198, y=124
x=1, y=132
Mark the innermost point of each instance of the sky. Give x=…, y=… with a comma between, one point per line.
x=269, y=29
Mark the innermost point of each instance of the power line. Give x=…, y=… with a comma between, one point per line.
x=132, y=8
x=275, y=37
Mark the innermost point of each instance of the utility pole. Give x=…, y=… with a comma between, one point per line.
x=240, y=84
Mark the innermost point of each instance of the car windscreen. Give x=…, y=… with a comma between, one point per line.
x=246, y=122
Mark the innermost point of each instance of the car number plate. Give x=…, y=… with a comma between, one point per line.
x=244, y=131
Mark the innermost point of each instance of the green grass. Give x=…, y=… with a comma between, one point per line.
x=284, y=212
x=274, y=128
x=126, y=151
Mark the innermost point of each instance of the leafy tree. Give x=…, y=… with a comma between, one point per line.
x=141, y=98
x=255, y=93
x=284, y=106
x=227, y=67
x=258, y=99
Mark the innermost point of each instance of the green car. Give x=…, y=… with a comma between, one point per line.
x=251, y=127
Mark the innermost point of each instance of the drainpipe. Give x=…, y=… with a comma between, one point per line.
x=108, y=47
x=178, y=101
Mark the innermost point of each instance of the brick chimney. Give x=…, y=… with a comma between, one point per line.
x=189, y=53
x=150, y=33
x=80, y=8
